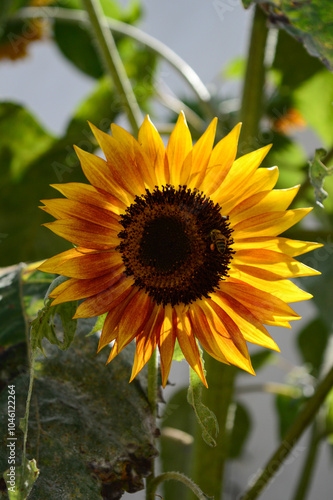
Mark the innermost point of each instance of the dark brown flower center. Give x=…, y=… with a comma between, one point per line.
x=167, y=246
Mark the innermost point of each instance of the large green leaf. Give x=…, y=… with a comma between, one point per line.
x=29, y=168
x=89, y=429
x=13, y=327
x=76, y=41
x=309, y=22
x=312, y=342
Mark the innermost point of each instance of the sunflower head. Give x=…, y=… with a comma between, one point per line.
x=178, y=243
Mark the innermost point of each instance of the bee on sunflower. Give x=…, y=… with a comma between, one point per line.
x=178, y=243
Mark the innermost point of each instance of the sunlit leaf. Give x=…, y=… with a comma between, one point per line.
x=309, y=22
x=205, y=417
x=317, y=173
x=12, y=320
x=91, y=430
x=47, y=326
x=312, y=342
x=21, y=486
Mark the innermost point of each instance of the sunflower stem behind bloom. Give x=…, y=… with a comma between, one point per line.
x=251, y=107
x=207, y=462
x=114, y=65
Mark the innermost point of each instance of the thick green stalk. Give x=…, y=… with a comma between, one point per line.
x=302, y=487
x=208, y=463
x=251, y=107
x=152, y=398
x=114, y=65
x=296, y=430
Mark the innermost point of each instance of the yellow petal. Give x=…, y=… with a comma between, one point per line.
x=284, y=289
x=179, y=146
x=241, y=173
x=275, y=262
x=267, y=201
x=263, y=179
x=221, y=162
x=201, y=152
x=277, y=244
x=152, y=144
x=270, y=224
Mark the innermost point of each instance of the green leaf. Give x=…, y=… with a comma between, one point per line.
x=287, y=410
x=20, y=487
x=91, y=429
x=317, y=173
x=294, y=63
x=98, y=325
x=177, y=352
x=76, y=41
x=314, y=100
x=308, y=22
x=47, y=326
x=240, y=431
x=312, y=342
x=13, y=327
x=205, y=417
x=22, y=187
x=22, y=140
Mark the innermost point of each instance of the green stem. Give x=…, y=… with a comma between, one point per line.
x=153, y=45
x=251, y=107
x=114, y=65
x=296, y=430
x=27, y=410
x=308, y=468
x=166, y=476
x=208, y=463
x=152, y=399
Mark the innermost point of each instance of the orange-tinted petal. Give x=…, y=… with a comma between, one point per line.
x=74, y=289
x=105, y=301
x=90, y=195
x=134, y=154
x=293, y=248
x=166, y=341
x=269, y=309
x=188, y=344
x=85, y=234
x=61, y=208
x=82, y=263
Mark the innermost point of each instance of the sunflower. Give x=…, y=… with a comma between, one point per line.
x=178, y=243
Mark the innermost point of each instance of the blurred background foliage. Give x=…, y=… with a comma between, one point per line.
x=296, y=108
